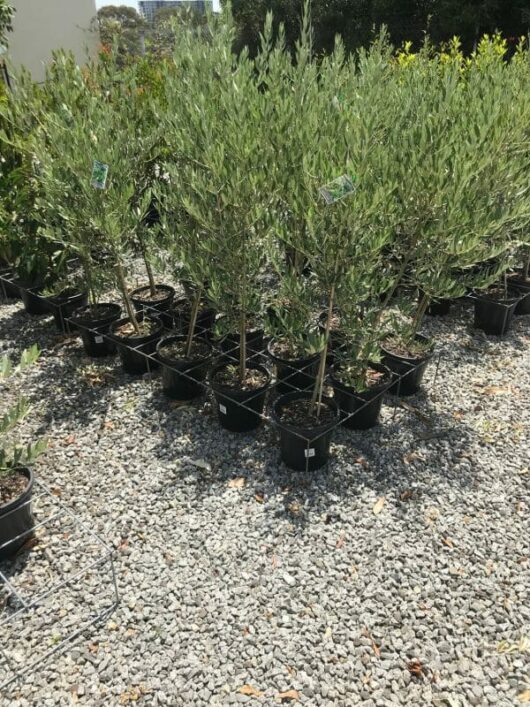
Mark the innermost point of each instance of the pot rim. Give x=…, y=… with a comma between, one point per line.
x=182, y=337
x=387, y=381
x=143, y=338
x=80, y=318
x=250, y=366
x=424, y=357
x=317, y=431
x=278, y=359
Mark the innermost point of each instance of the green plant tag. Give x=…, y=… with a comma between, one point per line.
x=337, y=189
x=99, y=175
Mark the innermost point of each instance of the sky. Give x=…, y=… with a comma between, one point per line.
x=134, y=3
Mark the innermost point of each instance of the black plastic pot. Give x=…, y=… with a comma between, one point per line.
x=294, y=375
x=93, y=324
x=161, y=308
x=16, y=520
x=229, y=345
x=408, y=370
x=239, y=410
x=34, y=303
x=63, y=305
x=182, y=377
x=523, y=288
x=181, y=314
x=132, y=349
x=8, y=284
x=304, y=447
x=439, y=308
x=494, y=316
x=360, y=411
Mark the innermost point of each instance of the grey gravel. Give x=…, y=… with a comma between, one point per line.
x=303, y=588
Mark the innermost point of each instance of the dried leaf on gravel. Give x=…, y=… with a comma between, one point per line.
x=497, y=390
x=200, y=464
x=340, y=541
x=250, y=691
x=416, y=669
x=378, y=505
x=237, y=483
x=362, y=461
x=448, y=542
x=69, y=440
x=524, y=696
x=260, y=498
x=413, y=456
x=289, y=696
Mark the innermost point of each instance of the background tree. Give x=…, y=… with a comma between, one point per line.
x=121, y=25
x=6, y=16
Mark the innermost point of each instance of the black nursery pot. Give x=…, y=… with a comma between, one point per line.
x=132, y=349
x=522, y=286
x=230, y=401
x=439, y=308
x=63, y=305
x=34, y=303
x=494, y=316
x=181, y=314
x=16, y=519
x=409, y=370
x=8, y=284
x=304, y=448
x=93, y=324
x=182, y=377
x=360, y=411
x=294, y=375
x=160, y=308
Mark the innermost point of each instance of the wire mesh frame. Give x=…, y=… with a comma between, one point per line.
x=94, y=577
x=230, y=354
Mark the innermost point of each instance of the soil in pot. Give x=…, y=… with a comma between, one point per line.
x=8, y=284
x=494, y=310
x=304, y=437
x=407, y=361
x=240, y=405
x=157, y=305
x=93, y=323
x=295, y=371
x=361, y=410
x=16, y=518
x=181, y=315
x=182, y=376
x=133, y=348
x=63, y=305
x=522, y=285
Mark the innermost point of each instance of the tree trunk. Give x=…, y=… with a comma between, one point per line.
x=193, y=321
x=319, y=384
x=126, y=299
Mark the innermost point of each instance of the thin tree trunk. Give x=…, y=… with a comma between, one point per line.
x=526, y=268
x=242, y=347
x=125, y=294
x=148, y=268
x=193, y=321
x=319, y=384
x=420, y=313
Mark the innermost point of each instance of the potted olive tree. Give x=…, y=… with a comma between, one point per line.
x=16, y=476
x=216, y=142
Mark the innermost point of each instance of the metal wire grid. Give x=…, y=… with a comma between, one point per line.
x=59, y=584
x=230, y=355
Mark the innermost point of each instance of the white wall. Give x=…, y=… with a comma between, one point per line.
x=40, y=26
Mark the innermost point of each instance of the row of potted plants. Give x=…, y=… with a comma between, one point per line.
x=365, y=188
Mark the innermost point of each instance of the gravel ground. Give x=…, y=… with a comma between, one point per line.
x=399, y=575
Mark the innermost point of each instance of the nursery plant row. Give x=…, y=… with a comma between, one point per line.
x=314, y=209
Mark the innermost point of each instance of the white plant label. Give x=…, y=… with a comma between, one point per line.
x=337, y=189
x=98, y=339
x=100, y=173
x=309, y=453
x=222, y=408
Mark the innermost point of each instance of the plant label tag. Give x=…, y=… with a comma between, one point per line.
x=100, y=172
x=337, y=189
x=98, y=339
x=222, y=408
x=309, y=453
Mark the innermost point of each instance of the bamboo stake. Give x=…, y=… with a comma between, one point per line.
x=193, y=321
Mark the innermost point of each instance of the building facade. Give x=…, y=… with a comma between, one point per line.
x=42, y=26
x=149, y=8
